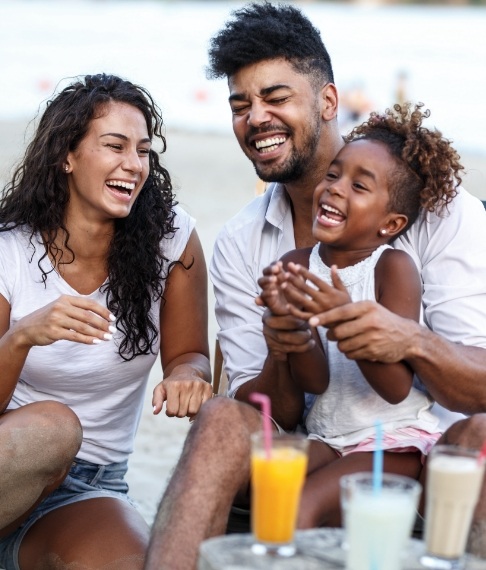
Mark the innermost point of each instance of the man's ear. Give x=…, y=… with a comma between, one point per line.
x=329, y=101
x=393, y=225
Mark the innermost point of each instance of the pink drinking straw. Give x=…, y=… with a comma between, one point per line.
x=264, y=402
x=482, y=454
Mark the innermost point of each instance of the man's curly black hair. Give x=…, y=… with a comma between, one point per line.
x=262, y=31
x=38, y=194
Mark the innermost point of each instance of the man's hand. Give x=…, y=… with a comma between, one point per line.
x=285, y=334
x=367, y=330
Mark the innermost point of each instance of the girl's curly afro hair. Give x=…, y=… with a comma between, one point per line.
x=428, y=167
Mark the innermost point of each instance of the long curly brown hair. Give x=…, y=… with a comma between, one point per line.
x=427, y=169
x=38, y=193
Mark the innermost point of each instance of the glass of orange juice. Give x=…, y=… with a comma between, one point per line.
x=277, y=478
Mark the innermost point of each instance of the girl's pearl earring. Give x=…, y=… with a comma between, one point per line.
x=383, y=232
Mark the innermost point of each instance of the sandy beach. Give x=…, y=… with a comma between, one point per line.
x=213, y=180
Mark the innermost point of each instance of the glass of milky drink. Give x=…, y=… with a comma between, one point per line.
x=454, y=480
x=378, y=521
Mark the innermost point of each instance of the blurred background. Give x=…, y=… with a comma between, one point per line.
x=382, y=52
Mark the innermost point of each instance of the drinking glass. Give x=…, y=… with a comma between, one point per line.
x=378, y=521
x=454, y=480
x=276, y=482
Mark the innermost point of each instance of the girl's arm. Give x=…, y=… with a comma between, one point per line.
x=184, y=345
x=398, y=288
x=309, y=369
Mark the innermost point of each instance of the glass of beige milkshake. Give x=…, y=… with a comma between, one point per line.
x=454, y=480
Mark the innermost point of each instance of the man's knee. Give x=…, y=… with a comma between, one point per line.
x=228, y=417
x=470, y=432
x=223, y=425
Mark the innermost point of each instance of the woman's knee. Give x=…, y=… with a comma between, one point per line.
x=48, y=430
x=64, y=428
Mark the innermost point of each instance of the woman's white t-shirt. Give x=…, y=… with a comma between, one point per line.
x=105, y=391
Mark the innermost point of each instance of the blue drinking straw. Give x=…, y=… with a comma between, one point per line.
x=378, y=459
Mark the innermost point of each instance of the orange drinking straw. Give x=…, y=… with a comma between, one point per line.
x=264, y=402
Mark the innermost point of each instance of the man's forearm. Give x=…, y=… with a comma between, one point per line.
x=275, y=381
x=454, y=374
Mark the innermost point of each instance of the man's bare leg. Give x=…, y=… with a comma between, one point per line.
x=471, y=433
x=213, y=467
x=38, y=443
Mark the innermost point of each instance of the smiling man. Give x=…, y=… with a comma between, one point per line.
x=284, y=104
x=286, y=124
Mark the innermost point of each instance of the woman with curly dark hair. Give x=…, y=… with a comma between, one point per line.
x=99, y=270
x=390, y=168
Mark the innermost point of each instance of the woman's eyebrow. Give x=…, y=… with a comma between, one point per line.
x=124, y=137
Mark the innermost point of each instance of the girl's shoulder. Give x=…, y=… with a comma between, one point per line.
x=300, y=256
x=397, y=259
x=395, y=266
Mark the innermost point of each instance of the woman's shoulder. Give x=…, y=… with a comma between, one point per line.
x=20, y=235
x=182, y=217
x=174, y=244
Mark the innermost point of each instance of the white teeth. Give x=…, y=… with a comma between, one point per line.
x=273, y=142
x=127, y=185
x=269, y=149
x=330, y=209
x=331, y=221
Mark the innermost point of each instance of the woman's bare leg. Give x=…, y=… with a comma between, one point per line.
x=94, y=534
x=38, y=443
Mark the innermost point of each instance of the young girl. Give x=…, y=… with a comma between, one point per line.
x=390, y=167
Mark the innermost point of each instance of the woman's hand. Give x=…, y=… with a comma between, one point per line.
x=76, y=319
x=183, y=392
x=184, y=346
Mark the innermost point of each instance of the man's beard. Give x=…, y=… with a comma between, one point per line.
x=299, y=161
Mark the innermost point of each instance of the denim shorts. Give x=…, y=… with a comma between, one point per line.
x=84, y=481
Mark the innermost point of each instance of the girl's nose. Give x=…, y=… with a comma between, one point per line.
x=335, y=188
